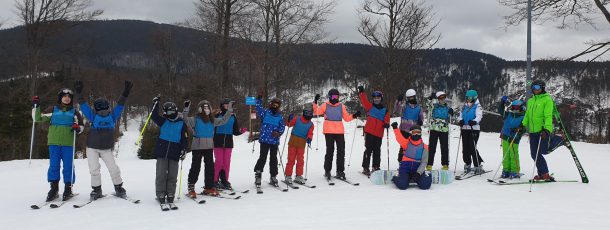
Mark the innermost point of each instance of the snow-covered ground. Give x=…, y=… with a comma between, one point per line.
x=468, y=204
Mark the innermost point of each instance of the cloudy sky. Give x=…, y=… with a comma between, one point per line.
x=470, y=24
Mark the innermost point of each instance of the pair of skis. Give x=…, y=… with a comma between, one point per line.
x=331, y=182
x=131, y=200
x=470, y=174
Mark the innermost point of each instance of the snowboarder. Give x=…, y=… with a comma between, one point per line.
x=66, y=121
x=539, y=123
x=413, y=160
x=100, y=140
x=469, y=120
x=202, y=126
x=272, y=127
x=301, y=135
x=377, y=121
x=334, y=113
x=223, y=146
x=439, y=129
x=410, y=112
x=512, y=130
x=170, y=147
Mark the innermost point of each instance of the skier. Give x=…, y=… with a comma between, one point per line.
x=539, y=123
x=410, y=112
x=100, y=140
x=272, y=127
x=202, y=126
x=439, y=129
x=469, y=120
x=66, y=121
x=334, y=113
x=301, y=135
x=170, y=147
x=378, y=119
x=223, y=146
x=414, y=159
x=511, y=135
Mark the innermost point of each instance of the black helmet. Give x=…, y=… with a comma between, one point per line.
x=63, y=92
x=225, y=101
x=333, y=92
x=276, y=100
x=101, y=104
x=170, y=110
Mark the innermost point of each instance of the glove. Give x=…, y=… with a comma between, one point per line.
x=504, y=99
x=544, y=134
x=461, y=123
x=35, y=101
x=259, y=97
x=290, y=117
x=156, y=99
x=76, y=128
x=356, y=115
x=308, y=141
x=400, y=97
x=183, y=155
x=78, y=87
x=187, y=104
x=394, y=125
x=450, y=111
x=472, y=123
x=360, y=89
x=386, y=125
x=276, y=134
x=127, y=88
x=420, y=123
x=316, y=98
x=243, y=130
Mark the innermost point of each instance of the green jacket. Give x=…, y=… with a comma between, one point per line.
x=539, y=113
x=58, y=135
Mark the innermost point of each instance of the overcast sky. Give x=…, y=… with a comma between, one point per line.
x=470, y=24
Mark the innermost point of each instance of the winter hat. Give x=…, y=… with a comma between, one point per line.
x=170, y=110
x=517, y=106
x=62, y=93
x=201, y=104
x=440, y=93
x=333, y=92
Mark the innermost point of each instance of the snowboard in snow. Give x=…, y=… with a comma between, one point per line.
x=442, y=176
x=381, y=177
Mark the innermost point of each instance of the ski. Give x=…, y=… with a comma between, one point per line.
x=568, y=144
x=502, y=182
x=228, y=192
x=469, y=175
x=87, y=203
x=43, y=204
x=172, y=206
x=55, y=205
x=306, y=185
x=222, y=197
x=348, y=181
x=135, y=201
x=198, y=201
x=278, y=187
x=164, y=207
x=291, y=185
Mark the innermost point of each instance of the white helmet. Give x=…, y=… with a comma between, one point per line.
x=410, y=93
x=440, y=93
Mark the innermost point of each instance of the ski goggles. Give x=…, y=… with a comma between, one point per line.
x=515, y=107
x=442, y=97
x=470, y=98
x=536, y=87
x=66, y=92
x=377, y=94
x=336, y=97
x=169, y=112
x=416, y=132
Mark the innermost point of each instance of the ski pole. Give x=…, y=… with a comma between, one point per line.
x=283, y=171
x=180, y=183
x=307, y=161
x=535, y=161
x=32, y=138
x=145, y=124
x=285, y=141
x=72, y=164
x=457, y=153
x=253, y=144
x=352, y=148
x=387, y=138
x=476, y=151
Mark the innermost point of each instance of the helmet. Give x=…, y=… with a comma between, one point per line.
x=377, y=94
x=538, y=84
x=101, y=104
x=308, y=111
x=440, y=93
x=275, y=101
x=333, y=92
x=415, y=127
x=517, y=106
x=225, y=101
x=472, y=95
x=62, y=93
x=170, y=110
x=410, y=93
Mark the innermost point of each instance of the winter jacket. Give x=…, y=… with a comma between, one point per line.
x=512, y=121
x=377, y=117
x=223, y=135
x=301, y=132
x=414, y=152
x=203, y=132
x=410, y=115
x=539, y=114
x=101, y=133
x=333, y=117
x=439, y=118
x=61, y=118
x=270, y=122
x=172, y=137
x=471, y=113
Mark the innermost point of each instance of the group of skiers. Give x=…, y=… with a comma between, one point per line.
x=212, y=138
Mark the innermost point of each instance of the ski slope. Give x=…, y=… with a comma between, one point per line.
x=468, y=204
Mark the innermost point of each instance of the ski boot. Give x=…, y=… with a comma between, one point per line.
x=161, y=199
x=299, y=180
x=273, y=181
x=478, y=170
x=53, y=193
x=170, y=200
x=191, y=191
x=227, y=185
x=467, y=168
x=428, y=167
x=514, y=175
x=257, y=178
x=445, y=167
x=67, y=192
x=288, y=179
x=340, y=176
x=119, y=191
x=219, y=185
x=327, y=175
x=96, y=193
x=366, y=171
x=211, y=192
x=505, y=175
x=544, y=177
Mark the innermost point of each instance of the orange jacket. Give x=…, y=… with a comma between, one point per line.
x=373, y=125
x=332, y=127
x=404, y=143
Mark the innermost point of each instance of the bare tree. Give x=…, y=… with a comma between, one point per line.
x=397, y=27
x=569, y=13
x=45, y=18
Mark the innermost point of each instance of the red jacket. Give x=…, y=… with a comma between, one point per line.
x=373, y=125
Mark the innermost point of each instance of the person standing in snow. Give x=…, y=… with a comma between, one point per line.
x=66, y=121
x=439, y=129
x=202, y=127
x=100, y=140
x=377, y=120
x=539, y=123
x=414, y=159
x=272, y=128
x=512, y=130
x=301, y=135
x=170, y=147
x=469, y=120
x=223, y=145
x=334, y=113
x=411, y=114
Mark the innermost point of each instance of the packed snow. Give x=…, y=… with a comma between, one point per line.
x=467, y=204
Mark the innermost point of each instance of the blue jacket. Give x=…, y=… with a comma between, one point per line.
x=270, y=122
x=169, y=145
x=101, y=134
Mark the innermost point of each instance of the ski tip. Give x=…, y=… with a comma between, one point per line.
x=356, y=184
x=246, y=191
x=75, y=206
x=285, y=190
x=136, y=201
x=34, y=206
x=490, y=180
x=237, y=198
x=201, y=202
x=54, y=206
